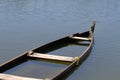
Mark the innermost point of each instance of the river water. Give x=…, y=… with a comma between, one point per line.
x=26, y=24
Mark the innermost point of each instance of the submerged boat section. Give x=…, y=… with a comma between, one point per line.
x=41, y=53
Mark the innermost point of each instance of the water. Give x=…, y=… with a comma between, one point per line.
x=36, y=69
x=26, y=24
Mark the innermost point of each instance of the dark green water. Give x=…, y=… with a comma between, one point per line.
x=26, y=24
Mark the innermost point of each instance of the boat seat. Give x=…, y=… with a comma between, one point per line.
x=13, y=77
x=79, y=38
x=51, y=57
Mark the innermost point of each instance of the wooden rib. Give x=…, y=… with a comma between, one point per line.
x=52, y=57
x=13, y=77
x=81, y=38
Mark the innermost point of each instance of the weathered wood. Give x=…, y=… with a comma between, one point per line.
x=80, y=38
x=52, y=57
x=13, y=77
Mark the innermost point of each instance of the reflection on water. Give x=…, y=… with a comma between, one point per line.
x=25, y=24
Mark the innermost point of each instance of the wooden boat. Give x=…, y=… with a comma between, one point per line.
x=39, y=53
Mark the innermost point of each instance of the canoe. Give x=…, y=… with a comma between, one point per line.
x=41, y=53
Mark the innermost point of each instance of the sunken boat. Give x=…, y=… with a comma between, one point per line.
x=40, y=53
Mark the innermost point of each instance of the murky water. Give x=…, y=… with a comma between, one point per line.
x=26, y=24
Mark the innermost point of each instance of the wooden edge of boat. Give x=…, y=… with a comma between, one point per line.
x=74, y=61
x=13, y=77
x=79, y=59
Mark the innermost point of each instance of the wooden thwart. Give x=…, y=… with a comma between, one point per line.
x=52, y=57
x=13, y=77
x=80, y=38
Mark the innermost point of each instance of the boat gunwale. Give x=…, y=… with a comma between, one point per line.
x=77, y=62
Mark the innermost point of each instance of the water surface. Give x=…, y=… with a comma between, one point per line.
x=26, y=24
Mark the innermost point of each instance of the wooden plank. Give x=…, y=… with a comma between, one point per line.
x=13, y=77
x=52, y=57
x=80, y=38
